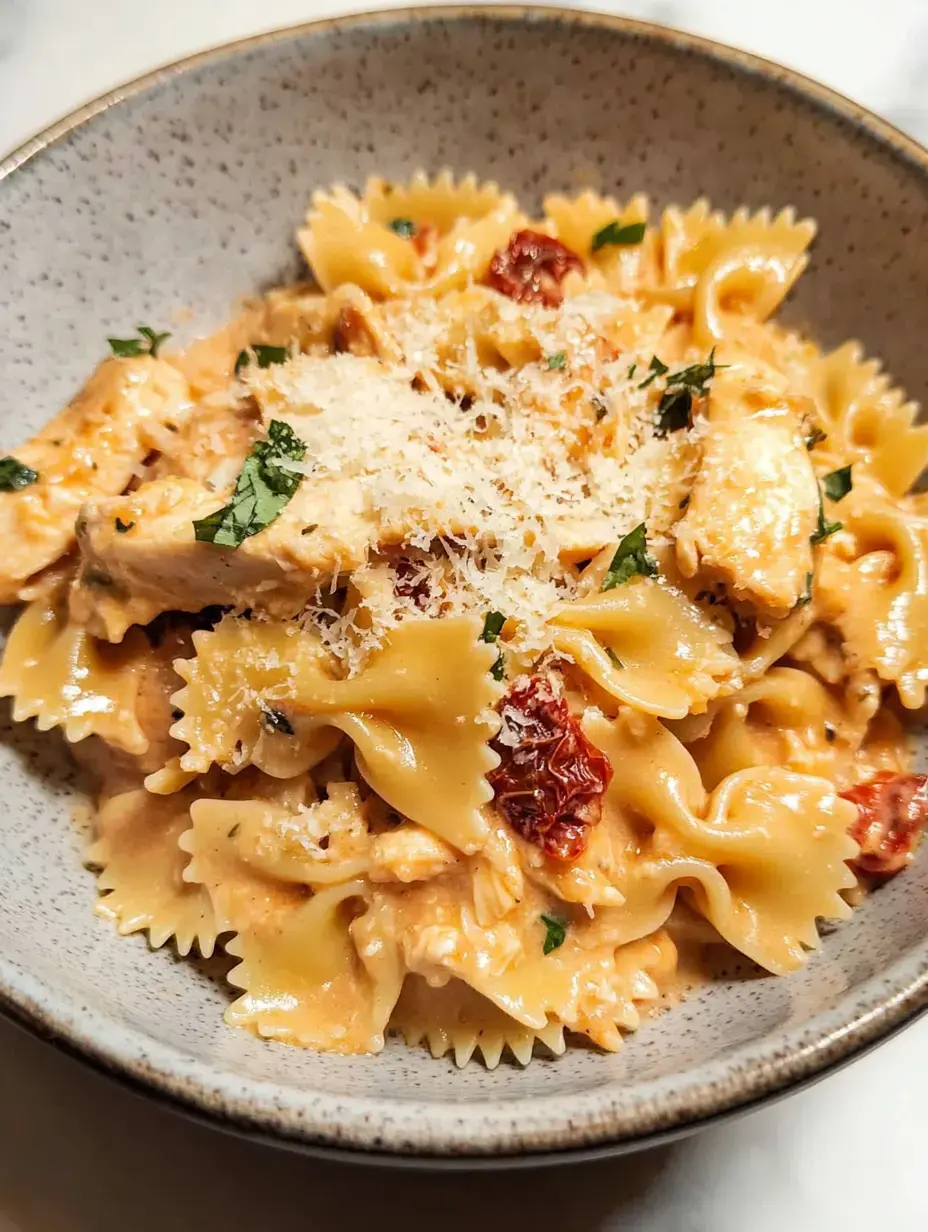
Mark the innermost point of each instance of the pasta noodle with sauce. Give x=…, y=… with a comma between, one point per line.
x=445, y=631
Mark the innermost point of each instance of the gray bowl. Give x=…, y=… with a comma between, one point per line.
x=183, y=189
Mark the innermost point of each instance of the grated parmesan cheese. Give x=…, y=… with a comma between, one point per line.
x=493, y=480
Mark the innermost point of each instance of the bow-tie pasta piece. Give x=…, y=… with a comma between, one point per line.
x=874, y=588
x=711, y=263
x=90, y=450
x=623, y=267
x=786, y=718
x=142, y=871
x=649, y=647
x=420, y=717
x=255, y=856
x=766, y=859
x=58, y=674
x=320, y=976
x=458, y=1020
x=432, y=248
x=867, y=420
x=241, y=674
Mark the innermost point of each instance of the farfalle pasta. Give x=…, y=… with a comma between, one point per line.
x=465, y=639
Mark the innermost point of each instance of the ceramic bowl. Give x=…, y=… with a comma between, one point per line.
x=182, y=190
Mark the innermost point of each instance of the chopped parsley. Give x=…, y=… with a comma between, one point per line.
x=614, y=658
x=274, y=720
x=631, y=557
x=405, y=228
x=838, y=483
x=813, y=437
x=555, y=933
x=265, y=356
x=824, y=529
x=617, y=233
x=556, y=361
x=806, y=597
x=655, y=369
x=122, y=527
x=599, y=408
x=149, y=342
x=262, y=490
x=675, y=409
x=15, y=475
x=492, y=627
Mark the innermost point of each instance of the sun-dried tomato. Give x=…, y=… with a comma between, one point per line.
x=550, y=781
x=411, y=581
x=531, y=268
x=892, y=810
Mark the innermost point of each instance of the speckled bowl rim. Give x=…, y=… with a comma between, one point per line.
x=551, y=1128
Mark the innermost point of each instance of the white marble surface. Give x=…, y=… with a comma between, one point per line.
x=78, y=1154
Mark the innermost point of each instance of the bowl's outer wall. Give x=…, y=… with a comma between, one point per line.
x=186, y=197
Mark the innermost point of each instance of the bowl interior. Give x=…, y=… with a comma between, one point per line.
x=167, y=207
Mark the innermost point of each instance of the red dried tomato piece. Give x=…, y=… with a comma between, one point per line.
x=411, y=581
x=550, y=781
x=892, y=810
x=531, y=268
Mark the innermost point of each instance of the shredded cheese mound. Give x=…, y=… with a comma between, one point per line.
x=491, y=498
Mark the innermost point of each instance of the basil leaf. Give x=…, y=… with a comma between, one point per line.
x=264, y=354
x=555, y=933
x=616, y=233
x=631, y=557
x=405, y=228
x=492, y=626
x=675, y=409
x=15, y=475
x=838, y=483
x=149, y=342
x=274, y=720
x=262, y=490
x=824, y=529
x=656, y=368
x=122, y=527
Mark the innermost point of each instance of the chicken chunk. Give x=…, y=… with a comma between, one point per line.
x=140, y=556
x=752, y=509
x=90, y=450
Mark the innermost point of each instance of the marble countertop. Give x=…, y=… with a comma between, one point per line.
x=79, y=1154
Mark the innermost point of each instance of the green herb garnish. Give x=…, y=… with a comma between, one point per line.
x=274, y=720
x=261, y=491
x=675, y=409
x=807, y=596
x=813, y=438
x=15, y=475
x=492, y=627
x=655, y=369
x=405, y=228
x=823, y=529
x=122, y=527
x=614, y=658
x=265, y=356
x=631, y=557
x=631, y=371
x=555, y=932
x=556, y=361
x=617, y=233
x=149, y=342
x=838, y=483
